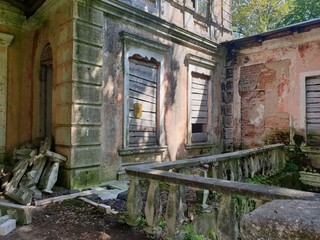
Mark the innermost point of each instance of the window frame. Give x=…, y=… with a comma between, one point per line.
x=303, y=103
x=206, y=67
x=133, y=44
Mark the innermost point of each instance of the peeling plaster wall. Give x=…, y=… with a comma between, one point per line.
x=268, y=82
x=175, y=100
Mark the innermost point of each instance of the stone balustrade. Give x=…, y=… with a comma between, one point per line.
x=160, y=189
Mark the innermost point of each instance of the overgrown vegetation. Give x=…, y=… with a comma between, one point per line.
x=190, y=233
x=251, y=17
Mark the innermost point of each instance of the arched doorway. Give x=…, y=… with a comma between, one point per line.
x=46, y=76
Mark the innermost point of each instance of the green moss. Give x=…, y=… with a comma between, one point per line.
x=278, y=136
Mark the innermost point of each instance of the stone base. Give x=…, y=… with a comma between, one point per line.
x=79, y=178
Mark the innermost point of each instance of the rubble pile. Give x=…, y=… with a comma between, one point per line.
x=36, y=169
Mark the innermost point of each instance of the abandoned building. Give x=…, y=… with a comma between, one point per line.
x=118, y=83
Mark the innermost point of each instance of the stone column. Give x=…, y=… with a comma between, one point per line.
x=5, y=41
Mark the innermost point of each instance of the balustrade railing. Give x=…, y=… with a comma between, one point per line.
x=163, y=191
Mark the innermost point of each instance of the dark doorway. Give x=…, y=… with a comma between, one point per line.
x=46, y=76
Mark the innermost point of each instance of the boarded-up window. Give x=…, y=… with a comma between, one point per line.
x=313, y=110
x=143, y=103
x=199, y=107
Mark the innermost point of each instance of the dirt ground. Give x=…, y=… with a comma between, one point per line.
x=75, y=219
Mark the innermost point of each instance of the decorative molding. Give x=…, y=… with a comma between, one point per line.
x=11, y=16
x=198, y=61
x=5, y=39
x=157, y=26
x=139, y=41
x=142, y=150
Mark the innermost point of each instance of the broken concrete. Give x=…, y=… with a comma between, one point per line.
x=45, y=165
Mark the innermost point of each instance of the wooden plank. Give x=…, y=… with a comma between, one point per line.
x=145, y=116
x=199, y=114
x=62, y=198
x=312, y=88
x=142, y=134
x=313, y=94
x=202, y=103
x=141, y=88
x=313, y=127
x=135, y=140
x=313, y=108
x=313, y=121
x=199, y=120
x=146, y=106
x=142, y=97
x=313, y=115
x=141, y=128
x=197, y=86
x=199, y=137
x=199, y=108
x=313, y=100
x=313, y=81
x=199, y=91
x=200, y=81
x=142, y=81
x=141, y=122
x=143, y=72
x=199, y=97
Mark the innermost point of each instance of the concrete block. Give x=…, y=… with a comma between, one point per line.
x=7, y=227
x=87, y=53
x=87, y=73
x=79, y=178
x=82, y=114
x=87, y=156
x=4, y=218
x=88, y=33
x=23, y=212
x=85, y=12
x=83, y=93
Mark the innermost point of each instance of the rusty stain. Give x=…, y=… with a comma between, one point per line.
x=302, y=49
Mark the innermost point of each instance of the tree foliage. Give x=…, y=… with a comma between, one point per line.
x=301, y=10
x=255, y=16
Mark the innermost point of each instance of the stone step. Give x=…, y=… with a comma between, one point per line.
x=106, y=194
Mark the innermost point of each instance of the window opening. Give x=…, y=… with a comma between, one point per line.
x=143, y=101
x=199, y=107
x=313, y=110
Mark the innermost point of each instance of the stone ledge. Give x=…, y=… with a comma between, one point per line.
x=199, y=146
x=141, y=150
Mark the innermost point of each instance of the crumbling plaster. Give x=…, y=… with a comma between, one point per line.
x=290, y=58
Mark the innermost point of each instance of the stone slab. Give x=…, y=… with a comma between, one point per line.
x=7, y=227
x=283, y=219
x=106, y=194
x=23, y=212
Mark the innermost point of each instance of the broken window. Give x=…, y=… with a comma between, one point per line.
x=313, y=110
x=200, y=6
x=143, y=101
x=199, y=107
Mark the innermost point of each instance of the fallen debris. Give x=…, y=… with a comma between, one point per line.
x=36, y=169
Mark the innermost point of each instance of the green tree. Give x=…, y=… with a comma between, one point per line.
x=301, y=10
x=256, y=16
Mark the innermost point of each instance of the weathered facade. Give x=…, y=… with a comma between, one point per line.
x=114, y=82
x=272, y=89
